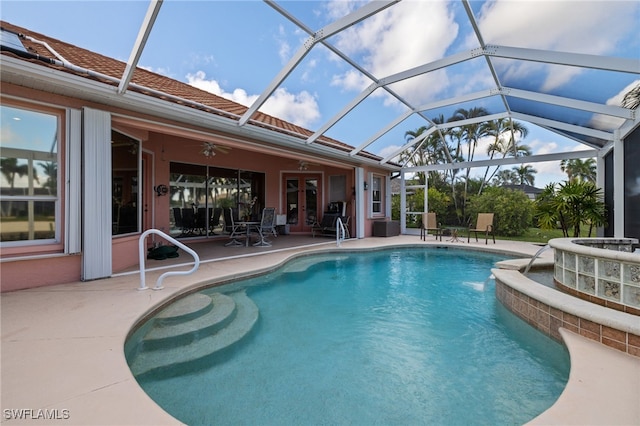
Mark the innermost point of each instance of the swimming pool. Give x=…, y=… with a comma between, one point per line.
x=404, y=336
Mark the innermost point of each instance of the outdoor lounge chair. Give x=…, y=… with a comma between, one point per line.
x=484, y=223
x=234, y=231
x=430, y=223
x=214, y=222
x=326, y=226
x=267, y=226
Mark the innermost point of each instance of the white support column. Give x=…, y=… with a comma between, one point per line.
x=96, y=195
x=403, y=204
x=426, y=192
x=387, y=197
x=361, y=205
x=618, y=186
x=600, y=173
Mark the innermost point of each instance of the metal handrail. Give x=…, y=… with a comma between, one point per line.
x=341, y=232
x=142, y=251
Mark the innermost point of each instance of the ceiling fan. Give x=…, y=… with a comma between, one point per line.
x=210, y=149
x=304, y=165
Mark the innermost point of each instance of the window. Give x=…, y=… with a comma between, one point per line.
x=376, y=196
x=125, y=183
x=199, y=193
x=338, y=188
x=29, y=178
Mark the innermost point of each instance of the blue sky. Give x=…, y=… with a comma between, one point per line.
x=236, y=48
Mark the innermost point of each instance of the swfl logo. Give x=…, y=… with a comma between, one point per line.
x=35, y=414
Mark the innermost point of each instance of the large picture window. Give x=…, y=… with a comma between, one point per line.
x=199, y=193
x=29, y=176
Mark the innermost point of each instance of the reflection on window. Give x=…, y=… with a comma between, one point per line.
x=199, y=193
x=29, y=175
x=376, y=195
x=124, y=186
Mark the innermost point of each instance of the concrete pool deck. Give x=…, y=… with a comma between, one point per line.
x=62, y=354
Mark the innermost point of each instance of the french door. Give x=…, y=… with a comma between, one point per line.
x=303, y=194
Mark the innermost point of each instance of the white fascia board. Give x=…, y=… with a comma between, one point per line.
x=506, y=161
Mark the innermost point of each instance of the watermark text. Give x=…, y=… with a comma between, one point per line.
x=36, y=414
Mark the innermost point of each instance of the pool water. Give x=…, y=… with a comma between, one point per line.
x=396, y=337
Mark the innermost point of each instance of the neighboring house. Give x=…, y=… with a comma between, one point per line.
x=530, y=191
x=87, y=165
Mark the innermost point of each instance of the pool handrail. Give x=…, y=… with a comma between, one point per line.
x=341, y=232
x=142, y=251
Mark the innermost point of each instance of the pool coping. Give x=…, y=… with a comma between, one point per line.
x=82, y=327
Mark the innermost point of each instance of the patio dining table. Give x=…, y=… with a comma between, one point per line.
x=248, y=226
x=454, y=233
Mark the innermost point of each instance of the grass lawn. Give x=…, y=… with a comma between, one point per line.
x=537, y=235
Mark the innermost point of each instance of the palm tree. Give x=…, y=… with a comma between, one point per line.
x=506, y=147
x=423, y=153
x=631, y=99
x=50, y=169
x=526, y=174
x=571, y=204
x=471, y=134
x=505, y=177
x=10, y=169
x=579, y=169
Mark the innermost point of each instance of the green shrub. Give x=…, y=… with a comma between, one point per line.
x=513, y=210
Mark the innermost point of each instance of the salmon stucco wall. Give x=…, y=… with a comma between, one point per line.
x=22, y=274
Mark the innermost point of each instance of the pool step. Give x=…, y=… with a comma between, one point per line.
x=193, y=331
x=190, y=319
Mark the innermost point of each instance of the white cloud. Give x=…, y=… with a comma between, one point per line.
x=540, y=147
x=397, y=39
x=590, y=27
x=301, y=108
x=351, y=80
x=284, y=50
x=606, y=122
x=388, y=150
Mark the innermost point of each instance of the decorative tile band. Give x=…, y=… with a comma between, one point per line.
x=548, y=320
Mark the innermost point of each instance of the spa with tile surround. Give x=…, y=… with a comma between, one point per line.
x=596, y=294
x=601, y=270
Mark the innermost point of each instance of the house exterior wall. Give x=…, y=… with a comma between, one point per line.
x=38, y=265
